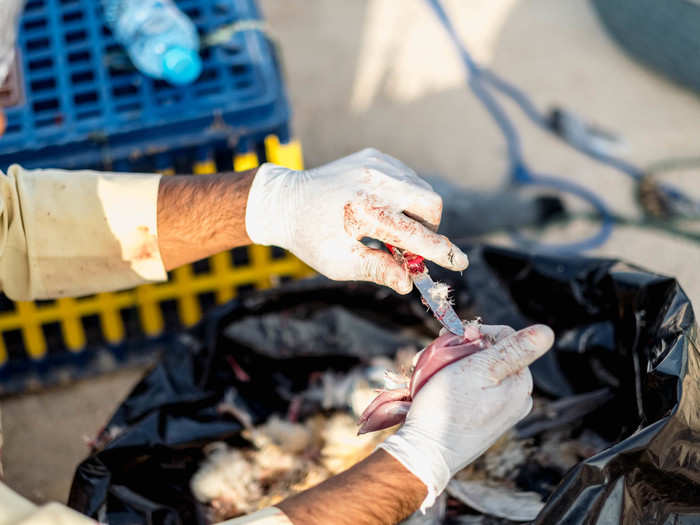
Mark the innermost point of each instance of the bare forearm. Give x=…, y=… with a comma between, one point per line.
x=201, y=215
x=376, y=491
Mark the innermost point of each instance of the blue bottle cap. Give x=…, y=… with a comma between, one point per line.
x=181, y=65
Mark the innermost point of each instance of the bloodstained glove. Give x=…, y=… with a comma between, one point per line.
x=322, y=214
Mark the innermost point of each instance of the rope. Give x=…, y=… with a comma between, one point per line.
x=478, y=78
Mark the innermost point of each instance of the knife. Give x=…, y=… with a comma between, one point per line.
x=442, y=309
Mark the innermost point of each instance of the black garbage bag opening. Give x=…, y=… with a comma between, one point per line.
x=618, y=327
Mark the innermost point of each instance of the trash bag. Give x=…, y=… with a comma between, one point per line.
x=626, y=338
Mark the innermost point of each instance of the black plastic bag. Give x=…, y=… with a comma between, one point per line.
x=617, y=326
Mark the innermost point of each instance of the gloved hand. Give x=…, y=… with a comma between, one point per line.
x=320, y=215
x=466, y=406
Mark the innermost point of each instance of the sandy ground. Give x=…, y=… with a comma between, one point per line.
x=381, y=73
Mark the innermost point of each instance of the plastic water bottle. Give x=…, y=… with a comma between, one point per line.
x=161, y=40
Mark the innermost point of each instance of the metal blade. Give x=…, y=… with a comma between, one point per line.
x=443, y=313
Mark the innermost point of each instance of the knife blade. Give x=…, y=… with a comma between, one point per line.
x=442, y=309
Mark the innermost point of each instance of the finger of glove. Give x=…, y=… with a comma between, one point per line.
x=496, y=332
x=379, y=267
x=519, y=392
x=408, y=193
x=516, y=389
x=527, y=408
x=408, y=174
x=391, y=166
x=368, y=158
x=524, y=378
x=378, y=189
x=513, y=353
x=424, y=206
x=358, y=158
x=382, y=223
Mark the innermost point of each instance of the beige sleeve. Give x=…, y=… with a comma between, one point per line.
x=267, y=516
x=15, y=510
x=71, y=233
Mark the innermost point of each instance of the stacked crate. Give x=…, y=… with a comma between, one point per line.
x=82, y=105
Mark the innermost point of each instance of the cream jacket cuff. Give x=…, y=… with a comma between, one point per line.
x=15, y=510
x=267, y=516
x=71, y=233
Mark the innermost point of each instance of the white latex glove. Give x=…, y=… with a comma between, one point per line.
x=320, y=215
x=465, y=407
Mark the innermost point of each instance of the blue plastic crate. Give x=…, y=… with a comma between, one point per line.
x=82, y=105
x=85, y=106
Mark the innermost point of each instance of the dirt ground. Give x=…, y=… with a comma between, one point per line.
x=381, y=73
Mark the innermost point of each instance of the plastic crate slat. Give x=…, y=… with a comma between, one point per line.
x=38, y=64
x=72, y=17
x=44, y=75
x=36, y=25
x=32, y=6
x=36, y=44
x=62, y=76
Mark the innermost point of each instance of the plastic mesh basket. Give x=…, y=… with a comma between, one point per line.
x=85, y=107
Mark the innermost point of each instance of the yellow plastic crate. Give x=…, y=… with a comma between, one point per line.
x=184, y=287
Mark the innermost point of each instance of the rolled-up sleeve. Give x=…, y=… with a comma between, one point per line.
x=267, y=516
x=15, y=510
x=71, y=233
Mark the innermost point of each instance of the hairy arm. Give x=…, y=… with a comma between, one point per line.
x=201, y=215
x=376, y=491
